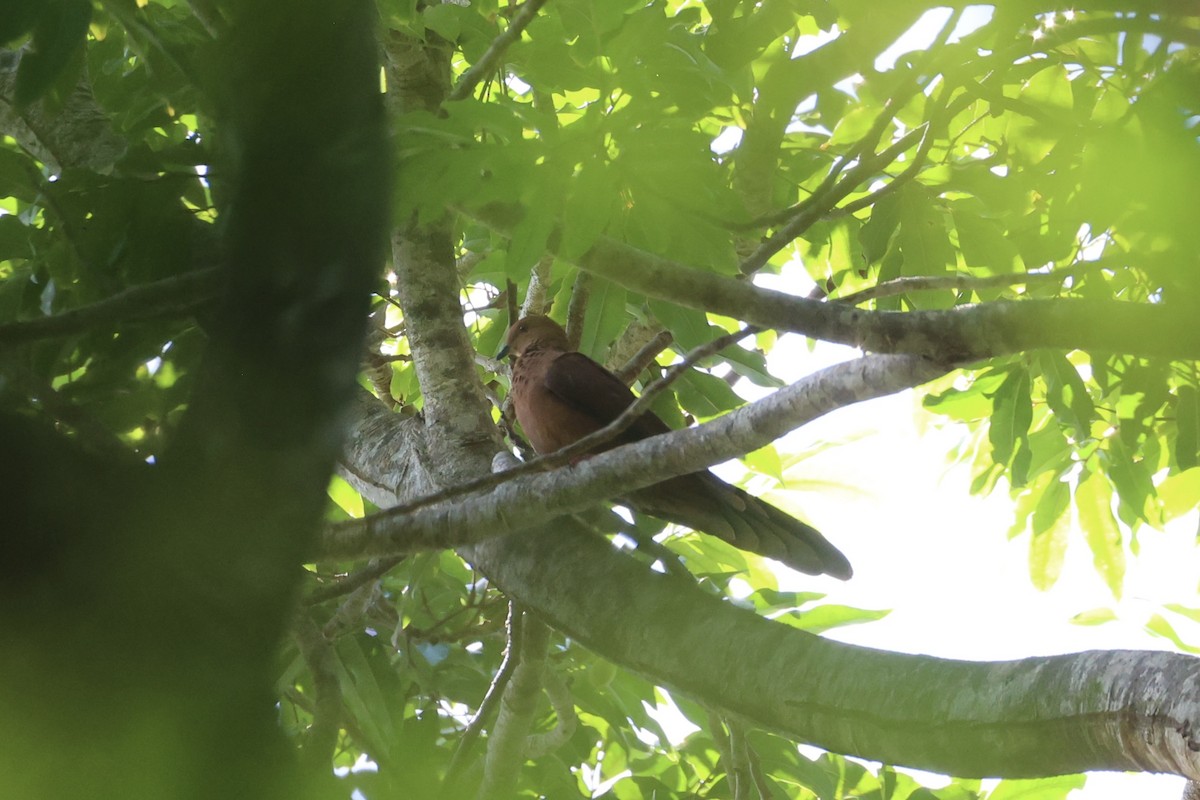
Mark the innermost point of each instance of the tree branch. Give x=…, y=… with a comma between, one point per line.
x=1131, y=710
x=1116, y=710
x=179, y=295
x=565, y=719
x=506, y=745
x=581, y=292
x=471, y=78
x=644, y=357
x=79, y=135
x=490, y=700
x=532, y=499
x=819, y=204
x=965, y=283
x=956, y=335
x=960, y=334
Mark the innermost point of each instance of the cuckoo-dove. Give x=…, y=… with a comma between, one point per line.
x=561, y=396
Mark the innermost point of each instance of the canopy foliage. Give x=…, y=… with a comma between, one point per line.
x=925, y=190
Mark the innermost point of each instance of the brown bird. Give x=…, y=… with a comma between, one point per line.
x=561, y=396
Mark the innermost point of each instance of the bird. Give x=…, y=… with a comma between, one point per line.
x=561, y=395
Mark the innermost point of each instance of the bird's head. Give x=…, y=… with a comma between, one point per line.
x=534, y=332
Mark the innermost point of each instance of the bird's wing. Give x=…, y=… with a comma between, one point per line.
x=700, y=500
x=585, y=385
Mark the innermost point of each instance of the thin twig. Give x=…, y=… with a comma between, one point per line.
x=471, y=78
x=853, y=177
x=495, y=690
x=826, y=196
x=644, y=357
x=910, y=172
x=353, y=581
x=962, y=283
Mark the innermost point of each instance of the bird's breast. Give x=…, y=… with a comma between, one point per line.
x=549, y=423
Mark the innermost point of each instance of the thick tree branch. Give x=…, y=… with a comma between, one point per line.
x=960, y=334
x=457, y=424
x=506, y=745
x=533, y=499
x=956, y=335
x=919, y=711
x=79, y=135
x=1027, y=718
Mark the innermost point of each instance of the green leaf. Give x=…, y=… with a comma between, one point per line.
x=528, y=243
x=853, y=126
x=360, y=691
x=345, y=496
x=1065, y=392
x=966, y=405
x=1093, y=500
x=1051, y=529
x=1191, y=613
x=982, y=241
x=705, y=395
x=18, y=176
x=751, y=365
x=826, y=617
x=1180, y=494
x=1057, y=788
x=876, y=235
x=1095, y=616
x=1012, y=415
x=1158, y=626
x=605, y=316
x=57, y=36
x=1132, y=479
x=14, y=238
x=473, y=117
x=445, y=19
x=766, y=461
x=1050, y=88
x=590, y=205
x=689, y=326
x=925, y=242
x=1187, y=423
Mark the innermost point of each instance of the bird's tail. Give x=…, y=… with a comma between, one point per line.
x=704, y=502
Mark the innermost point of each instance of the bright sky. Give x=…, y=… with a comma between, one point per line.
x=940, y=558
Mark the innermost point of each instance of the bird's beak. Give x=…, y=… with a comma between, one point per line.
x=503, y=352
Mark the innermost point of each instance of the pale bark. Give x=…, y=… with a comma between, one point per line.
x=1120, y=710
